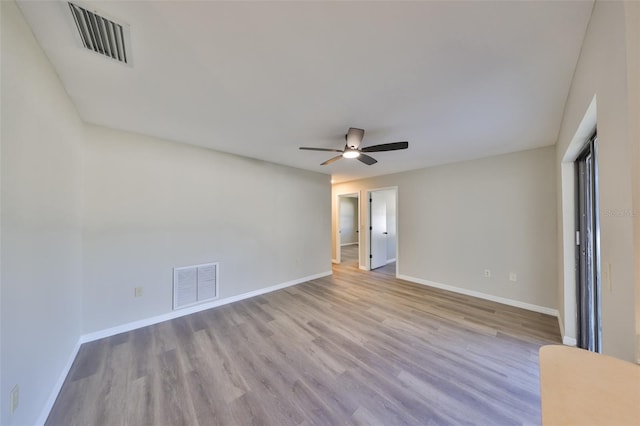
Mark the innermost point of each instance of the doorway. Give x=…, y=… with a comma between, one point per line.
x=382, y=209
x=588, y=249
x=348, y=237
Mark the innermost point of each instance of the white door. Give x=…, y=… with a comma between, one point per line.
x=378, y=230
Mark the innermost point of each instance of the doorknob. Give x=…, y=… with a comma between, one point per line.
x=385, y=233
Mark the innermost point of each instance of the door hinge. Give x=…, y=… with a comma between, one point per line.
x=371, y=228
x=370, y=256
x=577, y=238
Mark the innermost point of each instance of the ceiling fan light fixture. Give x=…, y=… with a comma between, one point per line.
x=353, y=150
x=351, y=153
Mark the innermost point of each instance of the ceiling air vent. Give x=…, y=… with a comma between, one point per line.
x=102, y=35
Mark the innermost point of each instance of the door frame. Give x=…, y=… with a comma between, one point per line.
x=367, y=258
x=569, y=316
x=338, y=258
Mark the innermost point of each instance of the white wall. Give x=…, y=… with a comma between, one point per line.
x=151, y=205
x=41, y=236
x=457, y=220
x=348, y=220
x=602, y=72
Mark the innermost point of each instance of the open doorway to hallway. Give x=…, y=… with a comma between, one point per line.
x=348, y=249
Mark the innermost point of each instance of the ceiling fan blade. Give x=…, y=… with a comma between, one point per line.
x=331, y=160
x=394, y=146
x=366, y=159
x=354, y=137
x=320, y=149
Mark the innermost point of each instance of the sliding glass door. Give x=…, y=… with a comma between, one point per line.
x=588, y=249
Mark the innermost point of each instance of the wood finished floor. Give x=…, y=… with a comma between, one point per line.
x=355, y=348
x=349, y=254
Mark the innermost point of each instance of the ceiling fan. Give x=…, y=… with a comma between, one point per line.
x=352, y=148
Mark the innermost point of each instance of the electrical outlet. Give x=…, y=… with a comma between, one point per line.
x=14, y=399
x=487, y=273
x=513, y=276
x=137, y=292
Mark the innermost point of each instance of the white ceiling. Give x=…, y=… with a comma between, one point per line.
x=458, y=80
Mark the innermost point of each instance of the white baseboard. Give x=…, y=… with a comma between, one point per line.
x=349, y=244
x=390, y=261
x=479, y=295
x=46, y=410
x=193, y=309
x=561, y=325
x=335, y=261
x=364, y=268
x=566, y=340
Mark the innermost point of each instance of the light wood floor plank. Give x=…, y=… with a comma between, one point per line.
x=354, y=348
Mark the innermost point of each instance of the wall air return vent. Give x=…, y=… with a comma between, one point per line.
x=102, y=35
x=194, y=284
